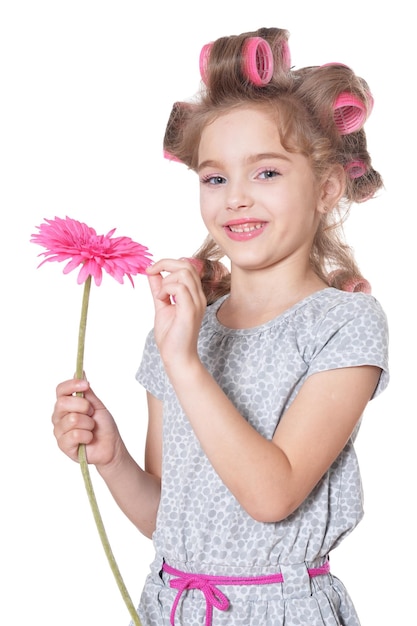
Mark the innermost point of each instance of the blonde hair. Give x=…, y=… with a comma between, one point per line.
x=305, y=104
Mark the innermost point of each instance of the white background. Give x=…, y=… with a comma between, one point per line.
x=86, y=90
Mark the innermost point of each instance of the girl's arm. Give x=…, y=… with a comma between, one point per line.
x=270, y=479
x=86, y=420
x=137, y=491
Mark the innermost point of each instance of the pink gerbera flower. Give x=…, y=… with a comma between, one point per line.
x=120, y=256
x=70, y=239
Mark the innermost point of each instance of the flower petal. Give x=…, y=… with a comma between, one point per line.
x=70, y=239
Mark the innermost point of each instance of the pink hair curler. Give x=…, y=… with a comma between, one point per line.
x=334, y=63
x=258, y=61
x=170, y=157
x=353, y=284
x=349, y=113
x=197, y=263
x=286, y=56
x=203, y=61
x=357, y=284
x=355, y=169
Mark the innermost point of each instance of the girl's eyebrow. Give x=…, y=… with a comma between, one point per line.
x=207, y=163
x=268, y=155
x=251, y=159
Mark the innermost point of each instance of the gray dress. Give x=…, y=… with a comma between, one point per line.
x=201, y=528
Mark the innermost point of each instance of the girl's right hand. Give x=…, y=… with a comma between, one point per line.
x=84, y=420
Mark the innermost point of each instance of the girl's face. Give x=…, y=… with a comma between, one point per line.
x=260, y=203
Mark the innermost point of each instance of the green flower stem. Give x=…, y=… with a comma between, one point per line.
x=82, y=457
x=103, y=536
x=79, y=371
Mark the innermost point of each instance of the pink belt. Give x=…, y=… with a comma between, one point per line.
x=216, y=598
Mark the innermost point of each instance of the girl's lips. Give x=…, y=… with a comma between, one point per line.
x=244, y=230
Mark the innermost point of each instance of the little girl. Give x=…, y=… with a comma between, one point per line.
x=256, y=378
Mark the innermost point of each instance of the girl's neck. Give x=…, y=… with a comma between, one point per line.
x=253, y=302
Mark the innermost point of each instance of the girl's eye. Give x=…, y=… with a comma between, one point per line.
x=267, y=174
x=213, y=180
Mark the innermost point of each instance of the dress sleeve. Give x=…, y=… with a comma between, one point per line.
x=353, y=332
x=151, y=374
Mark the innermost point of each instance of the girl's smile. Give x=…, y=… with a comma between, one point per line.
x=241, y=230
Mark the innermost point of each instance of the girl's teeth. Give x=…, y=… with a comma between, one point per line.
x=245, y=229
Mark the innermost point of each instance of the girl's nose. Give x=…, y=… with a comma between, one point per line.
x=238, y=198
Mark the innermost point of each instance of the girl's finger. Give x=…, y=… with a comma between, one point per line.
x=171, y=265
x=155, y=284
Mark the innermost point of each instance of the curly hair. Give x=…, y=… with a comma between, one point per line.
x=319, y=111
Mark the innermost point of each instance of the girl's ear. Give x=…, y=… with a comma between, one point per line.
x=332, y=189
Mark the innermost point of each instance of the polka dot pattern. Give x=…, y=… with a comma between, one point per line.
x=202, y=528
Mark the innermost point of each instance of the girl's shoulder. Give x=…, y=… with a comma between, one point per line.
x=329, y=305
x=342, y=306
x=344, y=329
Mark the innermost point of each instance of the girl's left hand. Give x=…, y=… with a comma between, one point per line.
x=179, y=308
